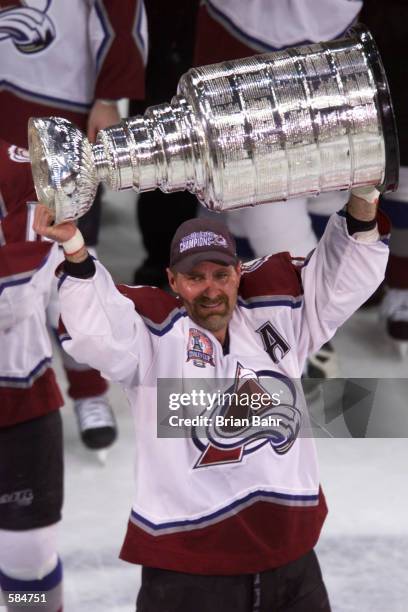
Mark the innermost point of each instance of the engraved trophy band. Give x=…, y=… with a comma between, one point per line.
x=268, y=128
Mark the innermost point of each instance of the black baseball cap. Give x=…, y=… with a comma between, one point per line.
x=201, y=239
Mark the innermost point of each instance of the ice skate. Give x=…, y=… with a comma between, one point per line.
x=96, y=422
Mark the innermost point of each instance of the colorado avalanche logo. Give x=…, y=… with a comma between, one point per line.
x=277, y=421
x=254, y=264
x=18, y=154
x=199, y=349
x=26, y=24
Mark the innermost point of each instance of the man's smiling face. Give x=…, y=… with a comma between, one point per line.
x=209, y=292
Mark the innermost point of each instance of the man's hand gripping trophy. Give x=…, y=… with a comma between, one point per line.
x=65, y=233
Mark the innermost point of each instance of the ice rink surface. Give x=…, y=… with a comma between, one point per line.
x=363, y=548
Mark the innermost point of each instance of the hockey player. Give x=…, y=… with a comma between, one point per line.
x=73, y=59
x=31, y=462
x=222, y=521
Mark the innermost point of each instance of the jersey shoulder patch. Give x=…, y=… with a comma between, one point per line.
x=273, y=275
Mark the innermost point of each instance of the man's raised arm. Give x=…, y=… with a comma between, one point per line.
x=344, y=270
x=100, y=326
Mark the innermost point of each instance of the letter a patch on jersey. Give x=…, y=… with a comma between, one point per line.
x=274, y=344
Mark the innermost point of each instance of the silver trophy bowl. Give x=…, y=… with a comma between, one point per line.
x=63, y=167
x=268, y=128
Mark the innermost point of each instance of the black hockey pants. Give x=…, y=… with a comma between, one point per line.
x=295, y=587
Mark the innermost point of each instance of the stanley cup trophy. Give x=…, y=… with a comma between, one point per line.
x=267, y=128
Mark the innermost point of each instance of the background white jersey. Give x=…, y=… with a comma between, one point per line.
x=64, y=47
x=58, y=56
x=268, y=24
x=28, y=388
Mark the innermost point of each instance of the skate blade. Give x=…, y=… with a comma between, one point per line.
x=102, y=456
x=401, y=347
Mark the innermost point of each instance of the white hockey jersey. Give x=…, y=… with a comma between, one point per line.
x=57, y=56
x=28, y=388
x=207, y=503
x=53, y=50
x=265, y=25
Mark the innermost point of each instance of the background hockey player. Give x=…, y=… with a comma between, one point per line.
x=73, y=59
x=31, y=464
